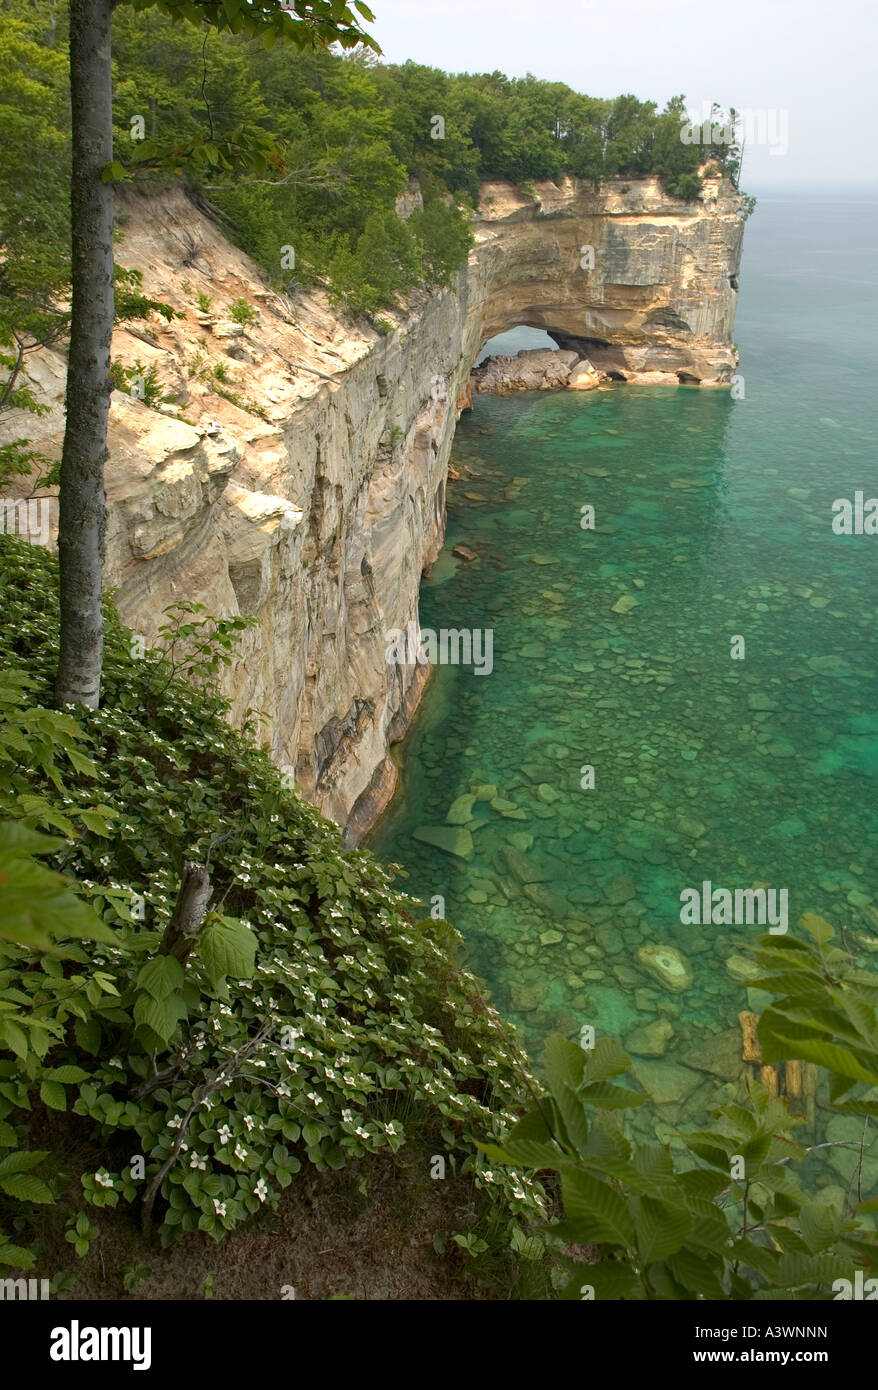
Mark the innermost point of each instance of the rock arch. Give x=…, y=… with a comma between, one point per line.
x=642, y=284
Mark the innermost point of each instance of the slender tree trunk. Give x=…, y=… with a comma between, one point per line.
x=82, y=500
x=182, y=931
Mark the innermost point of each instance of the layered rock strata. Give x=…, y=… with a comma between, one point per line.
x=294, y=468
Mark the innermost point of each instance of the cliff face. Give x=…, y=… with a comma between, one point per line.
x=300, y=473
x=637, y=282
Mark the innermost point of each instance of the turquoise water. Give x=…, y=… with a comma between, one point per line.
x=713, y=521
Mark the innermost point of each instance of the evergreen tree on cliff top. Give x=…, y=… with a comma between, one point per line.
x=302, y=23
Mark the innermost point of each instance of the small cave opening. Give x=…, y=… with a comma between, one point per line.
x=688, y=379
x=733, y=281
x=616, y=376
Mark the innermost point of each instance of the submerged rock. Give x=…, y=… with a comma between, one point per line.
x=650, y=1039
x=666, y=1082
x=453, y=839
x=667, y=965
x=460, y=811
x=620, y=890
x=551, y=938
x=542, y=897
x=525, y=870
x=524, y=998
x=625, y=604
x=485, y=792
x=742, y=970
x=719, y=1054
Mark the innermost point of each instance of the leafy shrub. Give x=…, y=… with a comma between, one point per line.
x=138, y=381
x=196, y=649
x=687, y=186
x=242, y=311
x=348, y=1027
x=384, y=264
x=729, y=1220
x=445, y=240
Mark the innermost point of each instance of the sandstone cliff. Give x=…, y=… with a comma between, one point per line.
x=300, y=472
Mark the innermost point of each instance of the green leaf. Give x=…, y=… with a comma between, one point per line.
x=88, y=1035
x=161, y=1015
x=85, y=766
x=565, y=1062
x=26, y=1188
x=696, y=1274
x=22, y=1161
x=609, y=1151
x=69, y=1075
x=529, y=1152
x=227, y=947
x=661, y=1229
x=701, y=1185
x=711, y=1147
x=817, y=928
x=161, y=976
x=18, y=840
x=53, y=1095
x=654, y=1163
x=605, y=1060
x=820, y=1225
x=569, y=1107
x=776, y=1047
x=16, y=1256
x=607, y=1096
x=14, y=1037
x=793, y=1270
x=597, y=1205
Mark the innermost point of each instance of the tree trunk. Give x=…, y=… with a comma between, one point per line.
x=82, y=499
x=195, y=892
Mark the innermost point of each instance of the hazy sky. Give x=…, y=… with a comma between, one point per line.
x=808, y=65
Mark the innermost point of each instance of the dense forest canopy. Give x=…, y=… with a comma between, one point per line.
x=339, y=136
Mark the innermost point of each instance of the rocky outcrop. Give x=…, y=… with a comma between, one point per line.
x=545, y=369
x=627, y=277
x=535, y=369
x=296, y=467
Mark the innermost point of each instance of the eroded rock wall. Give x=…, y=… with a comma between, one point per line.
x=298, y=470
x=632, y=280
